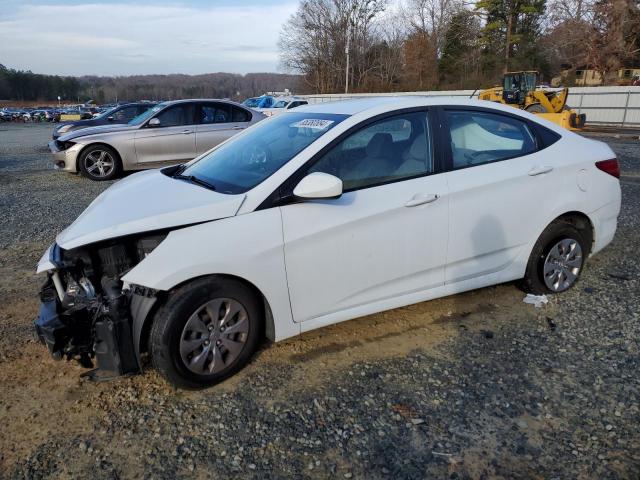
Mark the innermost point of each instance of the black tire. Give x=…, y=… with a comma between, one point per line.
x=170, y=322
x=536, y=108
x=88, y=158
x=533, y=281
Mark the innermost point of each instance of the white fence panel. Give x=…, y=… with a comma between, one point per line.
x=602, y=105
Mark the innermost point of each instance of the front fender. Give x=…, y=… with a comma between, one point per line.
x=247, y=246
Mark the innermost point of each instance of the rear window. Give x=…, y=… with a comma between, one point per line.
x=479, y=137
x=240, y=115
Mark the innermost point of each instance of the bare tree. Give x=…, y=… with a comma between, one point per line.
x=429, y=20
x=314, y=39
x=387, y=54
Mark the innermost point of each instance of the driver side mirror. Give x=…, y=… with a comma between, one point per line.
x=318, y=185
x=154, y=122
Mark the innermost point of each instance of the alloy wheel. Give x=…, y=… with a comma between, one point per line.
x=99, y=163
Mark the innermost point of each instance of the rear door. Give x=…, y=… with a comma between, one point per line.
x=218, y=121
x=501, y=188
x=173, y=141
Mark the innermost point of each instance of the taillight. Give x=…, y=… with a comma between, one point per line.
x=609, y=166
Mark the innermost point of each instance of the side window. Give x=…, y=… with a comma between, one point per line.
x=483, y=137
x=388, y=150
x=125, y=114
x=239, y=115
x=215, y=113
x=177, y=115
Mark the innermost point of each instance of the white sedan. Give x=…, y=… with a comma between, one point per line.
x=282, y=104
x=319, y=215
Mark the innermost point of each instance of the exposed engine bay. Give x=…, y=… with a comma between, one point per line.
x=87, y=313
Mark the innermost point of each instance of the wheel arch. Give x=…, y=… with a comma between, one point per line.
x=96, y=143
x=143, y=317
x=581, y=221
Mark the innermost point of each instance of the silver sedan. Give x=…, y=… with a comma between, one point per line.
x=170, y=132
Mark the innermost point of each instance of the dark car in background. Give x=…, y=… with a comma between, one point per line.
x=119, y=114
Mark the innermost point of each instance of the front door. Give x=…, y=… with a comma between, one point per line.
x=385, y=237
x=173, y=140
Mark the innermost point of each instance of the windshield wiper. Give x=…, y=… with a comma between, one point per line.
x=196, y=180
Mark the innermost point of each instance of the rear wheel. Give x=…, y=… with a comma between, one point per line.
x=556, y=260
x=206, y=332
x=99, y=162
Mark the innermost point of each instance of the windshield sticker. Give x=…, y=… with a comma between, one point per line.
x=315, y=123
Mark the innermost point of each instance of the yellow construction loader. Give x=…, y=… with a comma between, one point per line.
x=521, y=90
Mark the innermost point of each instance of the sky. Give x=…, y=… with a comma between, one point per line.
x=115, y=37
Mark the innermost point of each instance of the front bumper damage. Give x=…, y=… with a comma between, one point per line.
x=88, y=315
x=65, y=155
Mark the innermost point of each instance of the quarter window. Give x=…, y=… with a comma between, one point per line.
x=482, y=137
x=388, y=150
x=240, y=114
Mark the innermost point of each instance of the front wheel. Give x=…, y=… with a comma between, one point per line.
x=206, y=332
x=99, y=162
x=556, y=260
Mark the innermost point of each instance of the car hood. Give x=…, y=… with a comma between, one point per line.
x=79, y=123
x=144, y=202
x=83, y=132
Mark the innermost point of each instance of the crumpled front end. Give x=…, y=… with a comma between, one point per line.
x=86, y=312
x=65, y=155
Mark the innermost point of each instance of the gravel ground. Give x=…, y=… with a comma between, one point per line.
x=478, y=385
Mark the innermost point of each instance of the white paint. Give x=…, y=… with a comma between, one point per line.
x=146, y=201
x=318, y=185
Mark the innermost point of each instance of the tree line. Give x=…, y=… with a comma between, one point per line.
x=442, y=44
x=27, y=86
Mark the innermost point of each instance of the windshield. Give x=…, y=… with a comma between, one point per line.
x=247, y=160
x=281, y=104
x=140, y=119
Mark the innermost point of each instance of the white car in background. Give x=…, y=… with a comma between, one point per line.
x=324, y=213
x=282, y=104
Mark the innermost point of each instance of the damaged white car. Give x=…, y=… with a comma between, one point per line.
x=322, y=214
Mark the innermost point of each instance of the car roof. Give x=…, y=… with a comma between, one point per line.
x=128, y=104
x=393, y=102
x=381, y=104
x=173, y=102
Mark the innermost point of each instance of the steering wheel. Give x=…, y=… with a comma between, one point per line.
x=257, y=156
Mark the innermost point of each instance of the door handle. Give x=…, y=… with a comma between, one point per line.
x=539, y=170
x=237, y=128
x=186, y=132
x=421, y=199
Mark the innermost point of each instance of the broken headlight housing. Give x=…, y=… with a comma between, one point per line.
x=85, y=311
